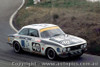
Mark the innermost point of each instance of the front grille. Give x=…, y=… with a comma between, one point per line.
x=75, y=47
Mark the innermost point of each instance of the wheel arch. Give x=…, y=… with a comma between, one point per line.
x=20, y=50
x=47, y=49
x=15, y=41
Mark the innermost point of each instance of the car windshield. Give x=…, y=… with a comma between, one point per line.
x=51, y=33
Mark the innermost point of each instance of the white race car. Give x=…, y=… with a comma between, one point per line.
x=47, y=39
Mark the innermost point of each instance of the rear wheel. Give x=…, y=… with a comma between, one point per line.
x=51, y=54
x=17, y=47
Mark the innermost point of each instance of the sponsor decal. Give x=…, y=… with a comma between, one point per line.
x=65, y=42
x=49, y=28
x=21, y=37
x=38, y=40
x=23, y=43
x=27, y=43
x=42, y=48
x=17, y=37
x=25, y=38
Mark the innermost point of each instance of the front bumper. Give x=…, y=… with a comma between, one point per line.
x=73, y=53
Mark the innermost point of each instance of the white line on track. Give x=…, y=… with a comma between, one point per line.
x=13, y=15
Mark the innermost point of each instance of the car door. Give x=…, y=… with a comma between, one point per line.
x=35, y=41
x=23, y=38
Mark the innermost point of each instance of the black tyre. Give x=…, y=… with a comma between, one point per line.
x=51, y=54
x=17, y=47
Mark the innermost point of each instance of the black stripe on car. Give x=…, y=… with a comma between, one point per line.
x=25, y=38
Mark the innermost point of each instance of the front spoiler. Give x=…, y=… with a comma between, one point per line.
x=73, y=53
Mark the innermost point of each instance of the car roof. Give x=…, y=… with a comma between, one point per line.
x=39, y=26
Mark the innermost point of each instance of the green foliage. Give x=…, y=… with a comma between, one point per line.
x=29, y=2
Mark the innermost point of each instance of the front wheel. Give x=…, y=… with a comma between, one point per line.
x=51, y=54
x=17, y=47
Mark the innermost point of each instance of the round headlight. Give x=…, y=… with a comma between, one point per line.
x=64, y=50
x=82, y=46
x=85, y=45
x=68, y=49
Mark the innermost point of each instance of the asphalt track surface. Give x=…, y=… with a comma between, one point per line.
x=7, y=8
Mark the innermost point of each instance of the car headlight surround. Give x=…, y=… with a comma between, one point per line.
x=82, y=46
x=64, y=50
x=68, y=49
x=85, y=45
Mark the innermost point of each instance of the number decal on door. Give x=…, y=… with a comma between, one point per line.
x=36, y=47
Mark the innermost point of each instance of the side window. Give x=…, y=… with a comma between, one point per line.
x=24, y=32
x=33, y=32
